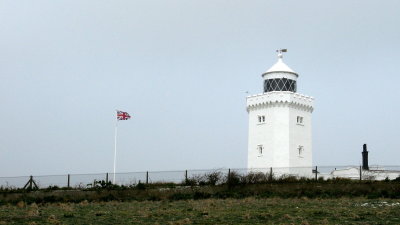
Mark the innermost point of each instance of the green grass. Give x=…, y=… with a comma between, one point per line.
x=208, y=211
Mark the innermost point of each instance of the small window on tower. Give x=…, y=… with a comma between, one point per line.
x=300, y=120
x=261, y=119
x=301, y=150
x=260, y=149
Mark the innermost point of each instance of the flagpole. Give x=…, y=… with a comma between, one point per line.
x=115, y=146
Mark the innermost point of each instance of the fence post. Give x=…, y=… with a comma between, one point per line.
x=270, y=174
x=316, y=173
x=229, y=175
x=30, y=183
x=360, y=173
x=186, y=178
x=106, y=178
x=68, y=183
x=147, y=177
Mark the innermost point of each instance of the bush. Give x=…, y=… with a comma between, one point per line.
x=190, y=181
x=213, y=178
x=233, y=179
x=141, y=186
x=255, y=178
x=287, y=179
x=339, y=180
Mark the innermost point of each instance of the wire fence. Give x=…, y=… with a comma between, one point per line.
x=179, y=177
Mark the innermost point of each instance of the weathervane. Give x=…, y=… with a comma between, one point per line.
x=280, y=51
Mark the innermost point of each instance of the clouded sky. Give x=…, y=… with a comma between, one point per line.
x=181, y=69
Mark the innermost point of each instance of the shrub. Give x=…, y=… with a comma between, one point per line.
x=198, y=179
x=141, y=186
x=233, y=179
x=255, y=178
x=287, y=179
x=339, y=180
x=190, y=181
x=213, y=178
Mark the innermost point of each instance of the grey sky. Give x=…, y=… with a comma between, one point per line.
x=181, y=69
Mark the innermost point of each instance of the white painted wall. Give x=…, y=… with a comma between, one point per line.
x=274, y=75
x=300, y=135
x=280, y=135
x=354, y=173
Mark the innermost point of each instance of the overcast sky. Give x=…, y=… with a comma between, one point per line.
x=182, y=69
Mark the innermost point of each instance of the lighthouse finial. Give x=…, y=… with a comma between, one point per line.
x=280, y=51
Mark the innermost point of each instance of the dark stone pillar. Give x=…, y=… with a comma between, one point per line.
x=365, y=158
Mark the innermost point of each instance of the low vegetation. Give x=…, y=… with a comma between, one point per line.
x=210, y=186
x=212, y=198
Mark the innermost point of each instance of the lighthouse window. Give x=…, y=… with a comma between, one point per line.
x=301, y=150
x=260, y=149
x=261, y=119
x=279, y=84
x=299, y=120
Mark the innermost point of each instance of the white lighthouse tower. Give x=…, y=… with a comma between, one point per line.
x=280, y=123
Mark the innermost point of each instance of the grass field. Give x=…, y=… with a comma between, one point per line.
x=208, y=211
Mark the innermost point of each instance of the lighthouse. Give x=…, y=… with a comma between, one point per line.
x=280, y=123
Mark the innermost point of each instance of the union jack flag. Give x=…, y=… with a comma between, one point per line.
x=123, y=115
